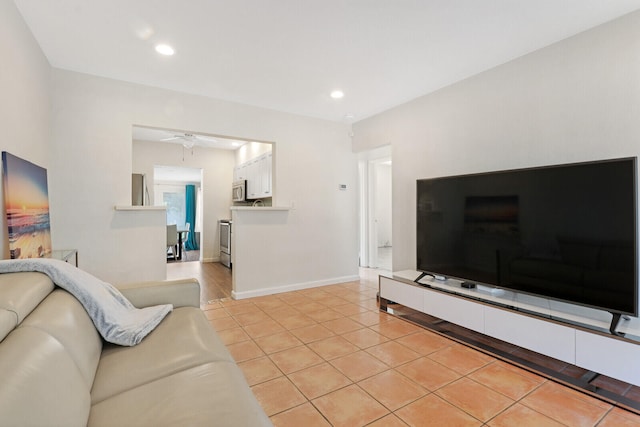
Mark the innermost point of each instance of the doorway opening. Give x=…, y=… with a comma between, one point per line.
x=376, y=242
x=220, y=158
x=179, y=189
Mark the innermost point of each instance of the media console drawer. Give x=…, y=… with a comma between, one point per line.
x=538, y=335
x=608, y=356
x=455, y=310
x=409, y=296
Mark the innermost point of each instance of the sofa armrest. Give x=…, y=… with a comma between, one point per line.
x=180, y=293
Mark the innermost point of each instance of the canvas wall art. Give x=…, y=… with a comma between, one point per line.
x=26, y=199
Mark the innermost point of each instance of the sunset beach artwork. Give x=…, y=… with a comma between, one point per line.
x=27, y=206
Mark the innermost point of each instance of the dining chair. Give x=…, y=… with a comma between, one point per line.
x=172, y=242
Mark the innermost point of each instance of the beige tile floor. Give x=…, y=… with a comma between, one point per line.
x=328, y=357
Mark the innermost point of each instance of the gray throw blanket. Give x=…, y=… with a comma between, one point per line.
x=117, y=320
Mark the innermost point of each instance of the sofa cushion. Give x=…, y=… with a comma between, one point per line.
x=40, y=384
x=182, y=341
x=20, y=293
x=214, y=394
x=63, y=317
x=7, y=322
x=179, y=293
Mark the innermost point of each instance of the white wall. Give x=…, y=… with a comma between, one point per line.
x=217, y=176
x=314, y=243
x=25, y=100
x=92, y=165
x=576, y=100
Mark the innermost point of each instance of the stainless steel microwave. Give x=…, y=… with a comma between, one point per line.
x=239, y=191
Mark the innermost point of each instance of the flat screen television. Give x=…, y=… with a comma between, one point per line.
x=565, y=232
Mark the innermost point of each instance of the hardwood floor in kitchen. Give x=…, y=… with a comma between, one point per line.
x=215, y=279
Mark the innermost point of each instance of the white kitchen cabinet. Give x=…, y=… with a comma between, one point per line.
x=253, y=179
x=258, y=174
x=265, y=169
x=240, y=172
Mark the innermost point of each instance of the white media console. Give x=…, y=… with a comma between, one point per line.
x=576, y=335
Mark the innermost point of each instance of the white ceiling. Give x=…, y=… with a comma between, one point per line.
x=288, y=55
x=175, y=174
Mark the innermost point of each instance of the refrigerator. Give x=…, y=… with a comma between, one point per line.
x=138, y=189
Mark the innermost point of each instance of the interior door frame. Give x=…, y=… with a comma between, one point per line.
x=368, y=193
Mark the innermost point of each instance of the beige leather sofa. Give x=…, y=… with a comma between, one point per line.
x=55, y=369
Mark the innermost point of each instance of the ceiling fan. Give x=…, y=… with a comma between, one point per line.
x=188, y=139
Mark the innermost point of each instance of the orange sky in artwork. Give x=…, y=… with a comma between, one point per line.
x=25, y=184
x=25, y=194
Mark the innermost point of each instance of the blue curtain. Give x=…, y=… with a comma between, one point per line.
x=190, y=204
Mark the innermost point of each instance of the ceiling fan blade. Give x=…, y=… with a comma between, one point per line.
x=208, y=139
x=172, y=138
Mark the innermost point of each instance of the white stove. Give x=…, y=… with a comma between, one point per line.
x=225, y=241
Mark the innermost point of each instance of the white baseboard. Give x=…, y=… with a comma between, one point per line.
x=214, y=259
x=293, y=287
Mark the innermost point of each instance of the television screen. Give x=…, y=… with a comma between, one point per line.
x=564, y=232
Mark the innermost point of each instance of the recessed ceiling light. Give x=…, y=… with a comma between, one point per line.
x=165, y=49
x=349, y=116
x=337, y=94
